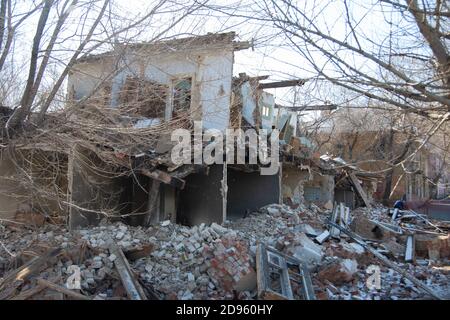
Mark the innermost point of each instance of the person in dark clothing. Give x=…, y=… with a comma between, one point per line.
x=399, y=204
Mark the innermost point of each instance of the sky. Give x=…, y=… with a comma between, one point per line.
x=269, y=56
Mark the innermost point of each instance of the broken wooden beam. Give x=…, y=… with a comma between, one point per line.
x=386, y=261
x=131, y=285
x=308, y=108
x=24, y=295
x=28, y=293
x=33, y=266
x=282, y=84
x=427, y=221
x=359, y=189
x=65, y=291
x=164, y=177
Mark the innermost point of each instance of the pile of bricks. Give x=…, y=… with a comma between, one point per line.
x=230, y=264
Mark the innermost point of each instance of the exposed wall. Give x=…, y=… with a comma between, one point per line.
x=324, y=185
x=92, y=192
x=11, y=194
x=201, y=199
x=86, y=76
x=345, y=196
x=134, y=199
x=169, y=203
x=298, y=186
x=249, y=191
x=293, y=179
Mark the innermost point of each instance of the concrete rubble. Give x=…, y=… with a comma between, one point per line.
x=214, y=261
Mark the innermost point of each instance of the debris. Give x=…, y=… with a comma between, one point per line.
x=339, y=272
x=357, y=248
x=165, y=223
x=427, y=221
x=388, y=263
x=16, y=278
x=368, y=229
x=308, y=230
x=395, y=248
x=306, y=250
x=432, y=246
x=139, y=252
x=218, y=261
x=323, y=236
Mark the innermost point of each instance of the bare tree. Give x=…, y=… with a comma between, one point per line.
x=65, y=31
x=387, y=55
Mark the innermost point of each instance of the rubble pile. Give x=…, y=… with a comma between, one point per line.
x=214, y=261
x=202, y=262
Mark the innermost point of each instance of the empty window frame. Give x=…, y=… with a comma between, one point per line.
x=143, y=98
x=266, y=111
x=181, y=95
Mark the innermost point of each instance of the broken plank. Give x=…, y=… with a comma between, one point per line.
x=65, y=291
x=422, y=231
x=24, y=295
x=164, y=177
x=386, y=261
x=33, y=266
x=28, y=293
x=261, y=280
x=131, y=285
x=282, y=84
x=410, y=248
x=359, y=189
x=151, y=292
x=427, y=221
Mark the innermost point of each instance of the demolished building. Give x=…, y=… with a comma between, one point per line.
x=127, y=102
x=194, y=82
x=217, y=231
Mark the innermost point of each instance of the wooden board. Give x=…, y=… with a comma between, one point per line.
x=359, y=189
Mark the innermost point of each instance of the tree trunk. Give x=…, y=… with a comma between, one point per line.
x=25, y=104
